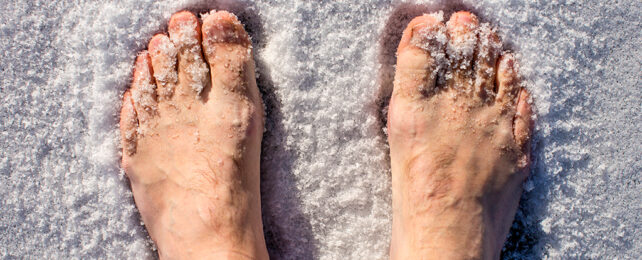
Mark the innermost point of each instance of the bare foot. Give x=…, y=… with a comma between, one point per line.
x=191, y=135
x=459, y=132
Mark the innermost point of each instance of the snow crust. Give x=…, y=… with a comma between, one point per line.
x=325, y=69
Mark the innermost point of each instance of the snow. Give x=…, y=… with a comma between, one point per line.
x=185, y=39
x=324, y=68
x=165, y=74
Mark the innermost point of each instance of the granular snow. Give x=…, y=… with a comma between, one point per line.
x=325, y=69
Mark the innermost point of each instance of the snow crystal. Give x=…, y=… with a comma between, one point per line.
x=144, y=94
x=197, y=69
x=462, y=42
x=186, y=41
x=186, y=34
x=326, y=69
x=432, y=39
x=165, y=73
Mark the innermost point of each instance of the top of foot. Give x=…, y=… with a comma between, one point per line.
x=191, y=128
x=459, y=128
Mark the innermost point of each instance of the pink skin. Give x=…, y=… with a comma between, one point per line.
x=191, y=128
x=459, y=149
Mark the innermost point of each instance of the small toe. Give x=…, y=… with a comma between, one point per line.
x=185, y=34
x=228, y=51
x=128, y=127
x=488, y=48
x=508, y=82
x=143, y=89
x=163, y=55
x=523, y=126
x=420, y=56
x=462, y=32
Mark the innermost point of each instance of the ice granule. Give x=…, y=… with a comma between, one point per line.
x=186, y=35
x=197, y=70
x=325, y=179
x=144, y=94
x=167, y=73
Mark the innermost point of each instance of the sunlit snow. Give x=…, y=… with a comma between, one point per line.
x=324, y=67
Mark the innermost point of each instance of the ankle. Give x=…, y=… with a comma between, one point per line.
x=446, y=229
x=212, y=250
x=254, y=253
x=187, y=241
x=213, y=253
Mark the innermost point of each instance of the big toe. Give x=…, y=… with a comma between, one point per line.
x=462, y=31
x=420, y=56
x=223, y=27
x=228, y=51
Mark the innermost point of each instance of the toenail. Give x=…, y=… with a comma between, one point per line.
x=464, y=18
x=226, y=30
x=182, y=17
x=183, y=29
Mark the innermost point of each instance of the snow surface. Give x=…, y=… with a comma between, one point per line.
x=324, y=68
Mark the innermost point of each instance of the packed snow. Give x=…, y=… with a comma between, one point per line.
x=325, y=69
